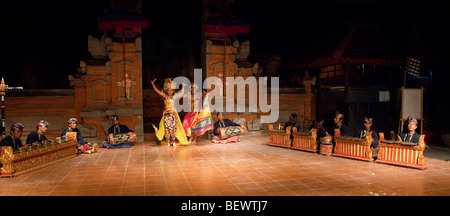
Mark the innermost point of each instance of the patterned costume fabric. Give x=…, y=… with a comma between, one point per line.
x=197, y=123
x=170, y=123
x=170, y=126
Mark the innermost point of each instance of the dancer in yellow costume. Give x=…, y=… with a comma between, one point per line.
x=170, y=126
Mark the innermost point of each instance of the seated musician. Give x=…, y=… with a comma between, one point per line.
x=13, y=139
x=293, y=123
x=38, y=136
x=318, y=125
x=227, y=125
x=82, y=145
x=117, y=128
x=411, y=135
x=362, y=132
x=338, y=120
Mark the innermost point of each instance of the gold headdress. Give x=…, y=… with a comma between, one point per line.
x=167, y=84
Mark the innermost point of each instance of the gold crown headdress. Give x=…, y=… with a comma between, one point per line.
x=167, y=84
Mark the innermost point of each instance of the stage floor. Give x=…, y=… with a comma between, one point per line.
x=249, y=167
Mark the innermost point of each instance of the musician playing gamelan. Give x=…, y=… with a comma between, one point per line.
x=411, y=136
x=230, y=128
x=117, y=128
x=362, y=133
x=338, y=120
x=72, y=127
x=293, y=123
x=318, y=125
x=38, y=136
x=170, y=126
x=13, y=139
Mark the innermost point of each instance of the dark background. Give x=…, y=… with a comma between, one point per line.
x=44, y=41
x=47, y=39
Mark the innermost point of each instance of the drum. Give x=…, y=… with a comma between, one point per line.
x=124, y=138
x=230, y=131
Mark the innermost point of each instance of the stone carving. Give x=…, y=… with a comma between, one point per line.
x=97, y=47
x=82, y=68
x=255, y=125
x=239, y=120
x=86, y=131
x=243, y=50
x=127, y=83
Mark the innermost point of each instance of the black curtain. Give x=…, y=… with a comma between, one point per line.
x=384, y=119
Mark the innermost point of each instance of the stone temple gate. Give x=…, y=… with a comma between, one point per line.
x=111, y=82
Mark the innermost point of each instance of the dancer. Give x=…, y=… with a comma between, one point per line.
x=198, y=120
x=170, y=126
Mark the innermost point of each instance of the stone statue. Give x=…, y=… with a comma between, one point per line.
x=97, y=47
x=243, y=50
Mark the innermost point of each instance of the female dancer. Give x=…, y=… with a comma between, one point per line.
x=170, y=126
x=198, y=120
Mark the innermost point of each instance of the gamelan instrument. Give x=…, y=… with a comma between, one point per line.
x=123, y=138
x=26, y=160
x=230, y=131
x=305, y=141
x=402, y=153
x=280, y=137
x=352, y=147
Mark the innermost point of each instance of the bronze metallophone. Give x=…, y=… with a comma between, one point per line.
x=22, y=161
x=352, y=147
x=402, y=153
x=305, y=141
x=280, y=137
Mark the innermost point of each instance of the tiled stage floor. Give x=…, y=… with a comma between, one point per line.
x=250, y=167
